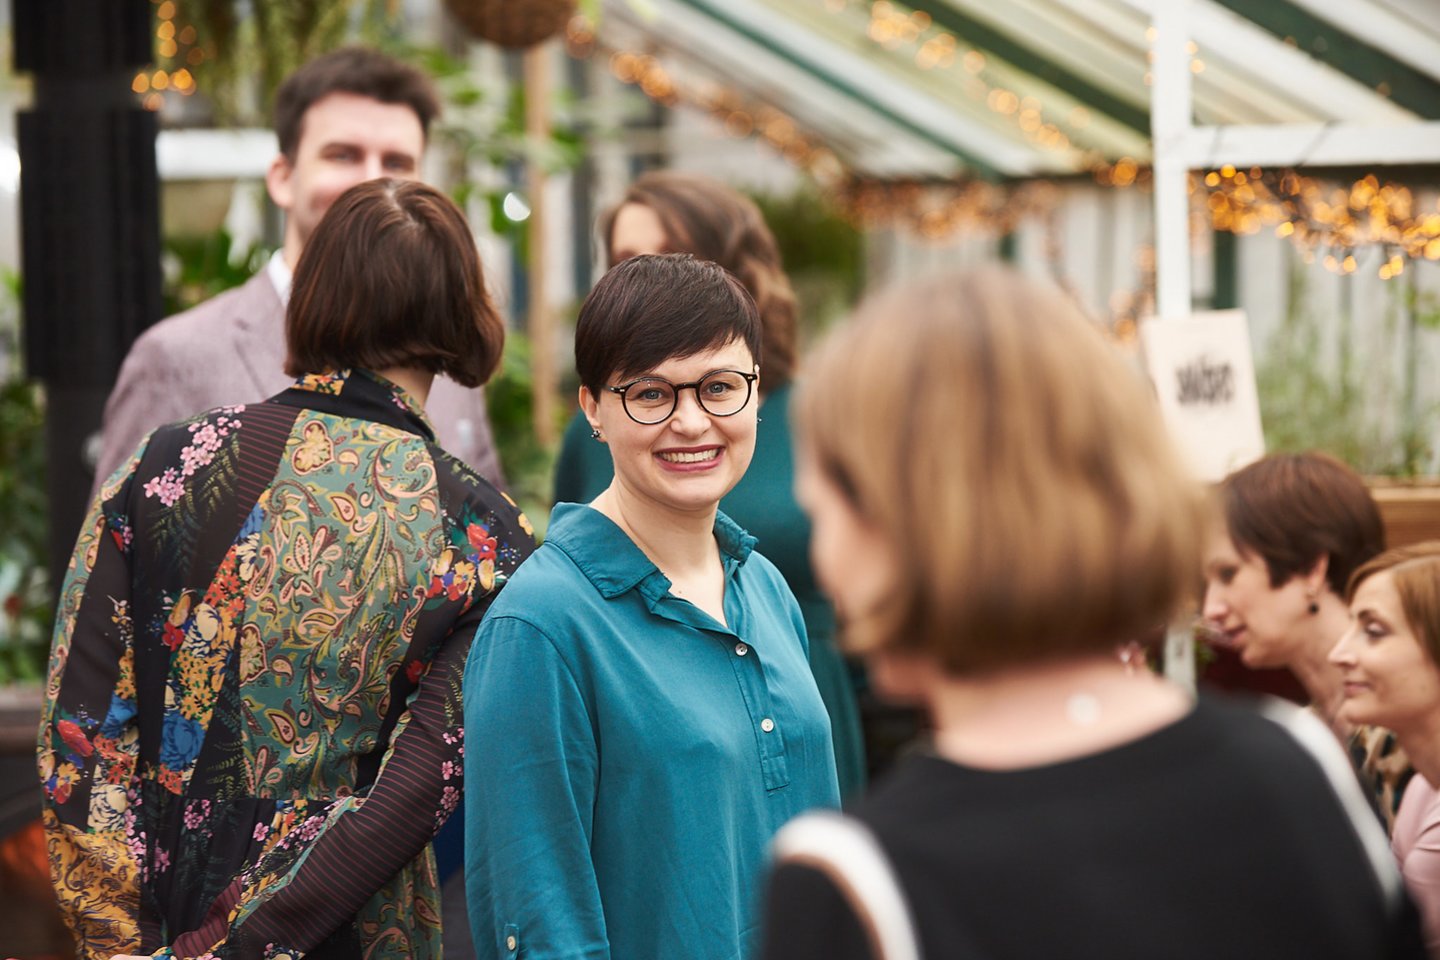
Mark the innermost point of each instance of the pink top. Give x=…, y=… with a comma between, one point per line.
x=1416, y=842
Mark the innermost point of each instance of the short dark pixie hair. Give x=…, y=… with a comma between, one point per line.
x=362, y=71
x=1291, y=509
x=391, y=278
x=649, y=309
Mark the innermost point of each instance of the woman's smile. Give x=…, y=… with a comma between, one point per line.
x=690, y=459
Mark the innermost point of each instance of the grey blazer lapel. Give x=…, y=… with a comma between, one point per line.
x=259, y=336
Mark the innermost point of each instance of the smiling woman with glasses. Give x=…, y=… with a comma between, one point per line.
x=645, y=709
x=676, y=211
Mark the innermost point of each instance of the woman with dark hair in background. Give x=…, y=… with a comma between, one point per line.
x=1293, y=528
x=252, y=727
x=997, y=509
x=640, y=714
x=668, y=211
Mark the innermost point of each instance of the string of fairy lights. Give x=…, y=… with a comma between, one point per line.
x=177, y=45
x=1330, y=222
x=914, y=33
x=932, y=210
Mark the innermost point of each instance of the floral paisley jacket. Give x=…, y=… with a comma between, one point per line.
x=253, y=719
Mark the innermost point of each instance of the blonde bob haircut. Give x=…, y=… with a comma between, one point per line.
x=1017, y=467
x=1415, y=571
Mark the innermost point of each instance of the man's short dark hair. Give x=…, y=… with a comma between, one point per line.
x=649, y=309
x=362, y=71
x=391, y=278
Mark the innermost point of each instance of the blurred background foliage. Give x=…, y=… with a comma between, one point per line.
x=198, y=267
x=26, y=604
x=1352, y=393
x=529, y=464
x=244, y=51
x=823, y=254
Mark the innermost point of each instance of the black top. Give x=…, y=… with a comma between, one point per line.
x=1215, y=837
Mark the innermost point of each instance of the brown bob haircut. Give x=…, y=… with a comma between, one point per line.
x=391, y=278
x=362, y=71
x=1291, y=509
x=650, y=309
x=1415, y=571
x=714, y=222
x=1016, y=467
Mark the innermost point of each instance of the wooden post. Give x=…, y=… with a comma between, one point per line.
x=1170, y=122
x=540, y=318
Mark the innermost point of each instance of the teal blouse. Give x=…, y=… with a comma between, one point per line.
x=763, y=502
x=628, y=757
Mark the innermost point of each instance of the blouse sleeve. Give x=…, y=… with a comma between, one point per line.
x=88, y=737
x=323, y=872
x=531, y=787
x=1421, y=868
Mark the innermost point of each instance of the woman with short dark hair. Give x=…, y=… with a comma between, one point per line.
x=411, y=298
x=675, y=211
x=1292, y=529
x=252, y=727
x=641, y=716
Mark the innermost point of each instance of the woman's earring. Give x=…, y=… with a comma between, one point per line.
x=759, y=420
x=595, y=434
x=1314, y=607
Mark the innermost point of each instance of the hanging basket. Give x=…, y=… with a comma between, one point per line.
x=513, y=23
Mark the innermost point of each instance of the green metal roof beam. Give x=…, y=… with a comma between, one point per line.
x=1332, y=46
x=986, y=38
x=841, y=85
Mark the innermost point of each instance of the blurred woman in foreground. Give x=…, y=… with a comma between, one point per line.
x=1389, y=664
x=997, y=508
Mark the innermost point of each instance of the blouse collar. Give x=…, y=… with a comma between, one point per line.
x=612, y=561
x=361, y=394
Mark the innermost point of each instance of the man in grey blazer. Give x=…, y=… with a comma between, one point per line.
x=343, y=118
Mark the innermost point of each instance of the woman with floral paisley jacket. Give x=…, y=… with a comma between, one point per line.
x=253, y=722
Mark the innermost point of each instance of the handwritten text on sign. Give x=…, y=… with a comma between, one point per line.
x=1205, y=381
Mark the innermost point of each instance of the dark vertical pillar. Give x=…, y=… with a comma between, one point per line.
x=582, y=190
x=90, y=235
x=1227, y=265
x=1008, y=249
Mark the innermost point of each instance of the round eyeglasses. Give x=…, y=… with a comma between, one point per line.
x=723, y=393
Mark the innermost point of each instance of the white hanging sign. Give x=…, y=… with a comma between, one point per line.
x=1204, y=377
